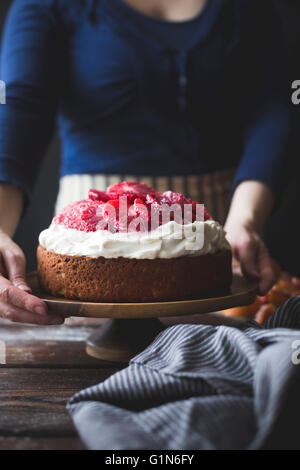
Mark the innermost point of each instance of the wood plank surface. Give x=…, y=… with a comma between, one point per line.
x=32, y=401
x=31, y=443
x=44, y=367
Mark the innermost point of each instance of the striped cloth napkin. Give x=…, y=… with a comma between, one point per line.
x=202, y=387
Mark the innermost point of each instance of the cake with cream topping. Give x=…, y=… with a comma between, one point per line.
x=133, y=244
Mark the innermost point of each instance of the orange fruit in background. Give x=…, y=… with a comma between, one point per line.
x=264, y=306
x=264, y=313
x=284, y=286
x=245, y=311
x=277, y=297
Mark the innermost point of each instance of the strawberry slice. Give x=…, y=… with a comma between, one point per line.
x=131, y=187
x=169, y=198
x=139, y=209
x=103, y=196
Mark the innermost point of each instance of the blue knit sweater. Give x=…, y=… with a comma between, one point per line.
x=136, y=95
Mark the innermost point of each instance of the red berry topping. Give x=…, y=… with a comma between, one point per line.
x=96, y=195
x=83, y=215
x=128, y=206
x=103, y=196
x=131, y=187
x=169, y=198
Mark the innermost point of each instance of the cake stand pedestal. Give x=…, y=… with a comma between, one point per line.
x=133, y=326
x=118, y=340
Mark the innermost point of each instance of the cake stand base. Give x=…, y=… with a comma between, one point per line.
x=118, y=340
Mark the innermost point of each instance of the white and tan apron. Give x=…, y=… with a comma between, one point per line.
x=212, y=189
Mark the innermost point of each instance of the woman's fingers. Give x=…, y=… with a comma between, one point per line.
x=250, y=251
x=248, y=257
x=16, y=302
x=236, y=266
x=19, y=298
x=256, y=264
x=15, y=314
x=15, y=264
x=19, y=306
x=3, y=270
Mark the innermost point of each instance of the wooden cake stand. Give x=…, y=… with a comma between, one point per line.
x=133, y=326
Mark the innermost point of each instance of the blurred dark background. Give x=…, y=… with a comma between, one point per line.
x=282, y=232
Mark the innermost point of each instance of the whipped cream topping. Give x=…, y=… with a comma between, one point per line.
x=170, y=240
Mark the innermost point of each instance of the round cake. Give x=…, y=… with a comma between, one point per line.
x=134, y=244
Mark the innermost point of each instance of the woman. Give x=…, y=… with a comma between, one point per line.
x=179, y=94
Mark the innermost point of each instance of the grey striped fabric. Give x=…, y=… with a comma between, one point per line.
x=202, y=387
x=212, y=189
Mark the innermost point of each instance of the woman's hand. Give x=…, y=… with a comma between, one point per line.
x=251, y=204
x=16, y=302
x=250, y=255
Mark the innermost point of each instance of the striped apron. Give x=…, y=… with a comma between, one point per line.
x=212, y=189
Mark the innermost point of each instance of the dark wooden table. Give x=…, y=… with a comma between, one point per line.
x=44, y=367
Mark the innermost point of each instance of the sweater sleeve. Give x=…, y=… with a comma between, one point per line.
x=268, y=129
x=29, y=68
